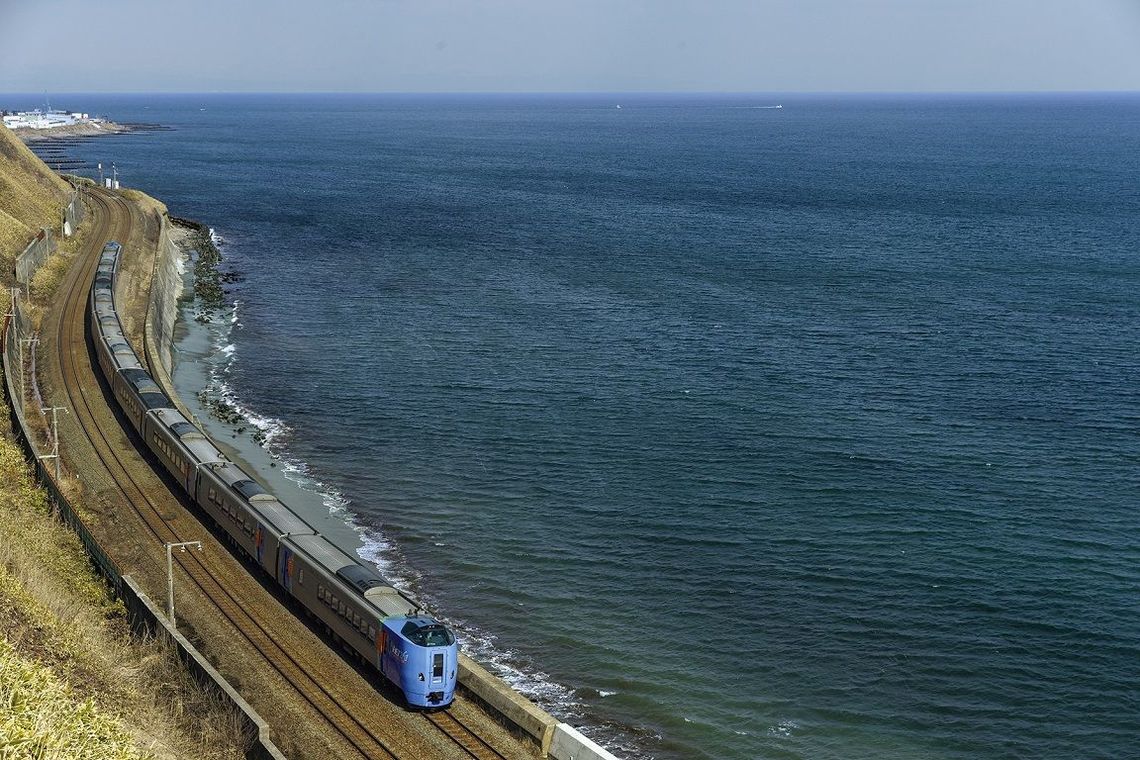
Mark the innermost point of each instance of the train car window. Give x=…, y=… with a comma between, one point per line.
x=437, y=666
x=340, y=609
x=321, y=591
x=371, y=632
x=301, y=576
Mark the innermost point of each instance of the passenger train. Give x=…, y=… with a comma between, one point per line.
x=387, y=629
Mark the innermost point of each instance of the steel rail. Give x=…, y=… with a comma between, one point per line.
x=75, y=352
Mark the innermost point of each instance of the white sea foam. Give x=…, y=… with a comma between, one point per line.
x=783, y=729
x=377, y=547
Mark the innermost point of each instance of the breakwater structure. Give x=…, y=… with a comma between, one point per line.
x=554, y=739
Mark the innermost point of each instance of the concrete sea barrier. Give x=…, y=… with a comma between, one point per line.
x=518, y=714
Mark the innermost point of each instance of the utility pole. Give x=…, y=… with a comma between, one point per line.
x=170, y=576
x=54, y=438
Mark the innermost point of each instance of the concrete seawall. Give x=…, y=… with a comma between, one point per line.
x=162, y=307
x=518, y=714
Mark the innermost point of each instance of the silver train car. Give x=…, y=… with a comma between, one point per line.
x=385, y=628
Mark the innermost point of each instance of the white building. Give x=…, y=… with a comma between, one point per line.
x=38, y=119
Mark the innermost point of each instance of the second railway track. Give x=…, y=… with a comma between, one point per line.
x=203, y=571
x=218, y=576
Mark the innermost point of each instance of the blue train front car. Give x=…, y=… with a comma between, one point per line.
x=420, y=656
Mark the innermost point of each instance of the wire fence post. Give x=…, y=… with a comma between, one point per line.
x=54, y=438
x=170, y=576
x=20, y=363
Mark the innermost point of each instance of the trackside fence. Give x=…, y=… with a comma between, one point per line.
x=142, y=615
x=73, y=214
x=32, y=257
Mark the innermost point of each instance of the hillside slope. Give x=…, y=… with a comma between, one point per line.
x=31, y=196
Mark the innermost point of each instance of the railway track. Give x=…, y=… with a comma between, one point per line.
x=203, y=571
x=85, y=393
x=469, y=741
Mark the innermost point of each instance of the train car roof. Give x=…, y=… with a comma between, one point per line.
x=127, y=360
x=144, y=383
x=248, y=487
x=136, y=375
x=151, y=395
x=200, y=447
x=229, y=473
x=282, y=519
x=360, y=576
x=272, y=511
x=323, y=552
x=387, y=600
x=155, y=400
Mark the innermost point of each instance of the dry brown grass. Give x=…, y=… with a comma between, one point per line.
x=58, y=618
x=31, y=196
x=84, y=686
x=44, y=717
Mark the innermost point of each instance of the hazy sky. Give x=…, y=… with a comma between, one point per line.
x=568, y=45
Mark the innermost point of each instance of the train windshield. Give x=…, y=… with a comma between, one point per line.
x=431, y=635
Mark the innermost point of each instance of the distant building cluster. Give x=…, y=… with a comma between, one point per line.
x=38, y=119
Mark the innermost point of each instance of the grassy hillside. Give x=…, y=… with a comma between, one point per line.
x=31, y=196
x=73, y=683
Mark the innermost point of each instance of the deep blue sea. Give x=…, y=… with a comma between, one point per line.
x=726, y=431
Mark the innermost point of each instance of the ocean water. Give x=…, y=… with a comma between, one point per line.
x=727, y=432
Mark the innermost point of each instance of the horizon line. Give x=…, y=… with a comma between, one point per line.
x=41, y=92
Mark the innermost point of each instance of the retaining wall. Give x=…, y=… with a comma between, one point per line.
x=556, y=740
x=141, y=613
x=145, y=617
x=560, y=741
x=32, y=257
x=162, y=307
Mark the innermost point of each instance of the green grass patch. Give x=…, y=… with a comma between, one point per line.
x=42, y=717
